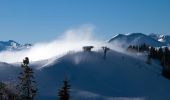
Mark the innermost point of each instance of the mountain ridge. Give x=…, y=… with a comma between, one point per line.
x=12, y=45
x=137, y=39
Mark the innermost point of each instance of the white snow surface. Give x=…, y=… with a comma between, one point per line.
x=118, y=77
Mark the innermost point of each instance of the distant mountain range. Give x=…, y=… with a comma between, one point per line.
x=140, y=38
x=120, y=40
x=12, y=45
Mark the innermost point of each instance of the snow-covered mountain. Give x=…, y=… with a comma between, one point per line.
x=12, y=45
x=118, y=77
x=123, y=40
x=162, y=38
x=135, y=39
x=121, y=76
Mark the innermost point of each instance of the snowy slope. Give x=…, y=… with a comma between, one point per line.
x=135, y=39
x=119, y=77
x=8, y=72
x=12, y=45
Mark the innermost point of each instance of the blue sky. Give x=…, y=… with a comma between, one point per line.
x=44, y=20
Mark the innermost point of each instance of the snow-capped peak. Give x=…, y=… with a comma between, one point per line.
x=12, y=45
x=136, y=39
x=161, y=38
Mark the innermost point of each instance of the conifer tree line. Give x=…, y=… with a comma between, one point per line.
x=7, y=92
x=138, y=48
x=162, y=54
x=26, y=88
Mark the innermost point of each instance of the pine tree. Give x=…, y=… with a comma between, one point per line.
x=7, y=92
x=2, y=90
x=26, y=87
x=166, y=63
x=64, y=91
x=160, y=53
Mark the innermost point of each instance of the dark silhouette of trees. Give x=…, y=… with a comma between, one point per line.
x=163, y=55
x=153, y=52
x=159, y=53
x=7, y=92
x=64, y=91
x=138, y=48
x=26, y=87
x=166, y=63
x=2, y=90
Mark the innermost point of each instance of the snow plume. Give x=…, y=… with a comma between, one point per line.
x=118, y=46
x=71, y=40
